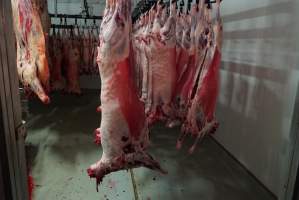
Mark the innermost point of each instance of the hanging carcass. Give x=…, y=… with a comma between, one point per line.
x=163, y=74
x=123, y=131
x=158, y=40
x=32, y=60
x=200, y=119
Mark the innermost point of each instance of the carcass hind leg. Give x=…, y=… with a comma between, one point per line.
x=182, y=137
x=209, y=127
x=132, y=160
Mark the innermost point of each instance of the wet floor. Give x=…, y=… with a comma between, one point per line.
x=60, y=149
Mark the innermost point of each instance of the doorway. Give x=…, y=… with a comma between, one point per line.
x=296, y=189
x=13, y=163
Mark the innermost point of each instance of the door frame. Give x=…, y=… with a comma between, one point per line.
x=294, y=162
x=5, y=189
x=11, y=106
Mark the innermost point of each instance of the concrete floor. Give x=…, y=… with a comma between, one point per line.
x=60, y=148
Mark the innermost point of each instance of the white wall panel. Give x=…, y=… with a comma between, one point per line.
x=259, y=81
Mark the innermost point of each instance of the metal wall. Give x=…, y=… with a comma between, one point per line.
x=3, y=193
x=259, y=84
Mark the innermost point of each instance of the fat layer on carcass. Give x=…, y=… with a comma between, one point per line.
x=72, y=61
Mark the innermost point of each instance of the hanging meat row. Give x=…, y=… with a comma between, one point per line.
x=177, y=60
x=163, y=68
x=72, y=53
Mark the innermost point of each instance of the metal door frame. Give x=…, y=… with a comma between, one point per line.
x=5, y=189
x=294, y=163
x=11, y=106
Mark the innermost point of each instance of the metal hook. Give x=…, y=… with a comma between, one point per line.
x=182, y=6
x=197, y=5
x=189, y=5
x=209, y=3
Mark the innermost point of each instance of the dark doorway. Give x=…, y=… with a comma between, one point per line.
x=296, y=189
x=5, y=190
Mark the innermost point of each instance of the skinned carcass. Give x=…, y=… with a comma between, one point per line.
x=42, y=6
x=187, y=65
x=162, y=65
x=56, y=52
x=179, y=34
x=32, y=63
x=141, y=58
x=193, y=78
x=183, y=60
x=72, y=57
x=123, y=132
x=197, y=56
x=200, y=119
x=87, y=38
x=94, y=65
